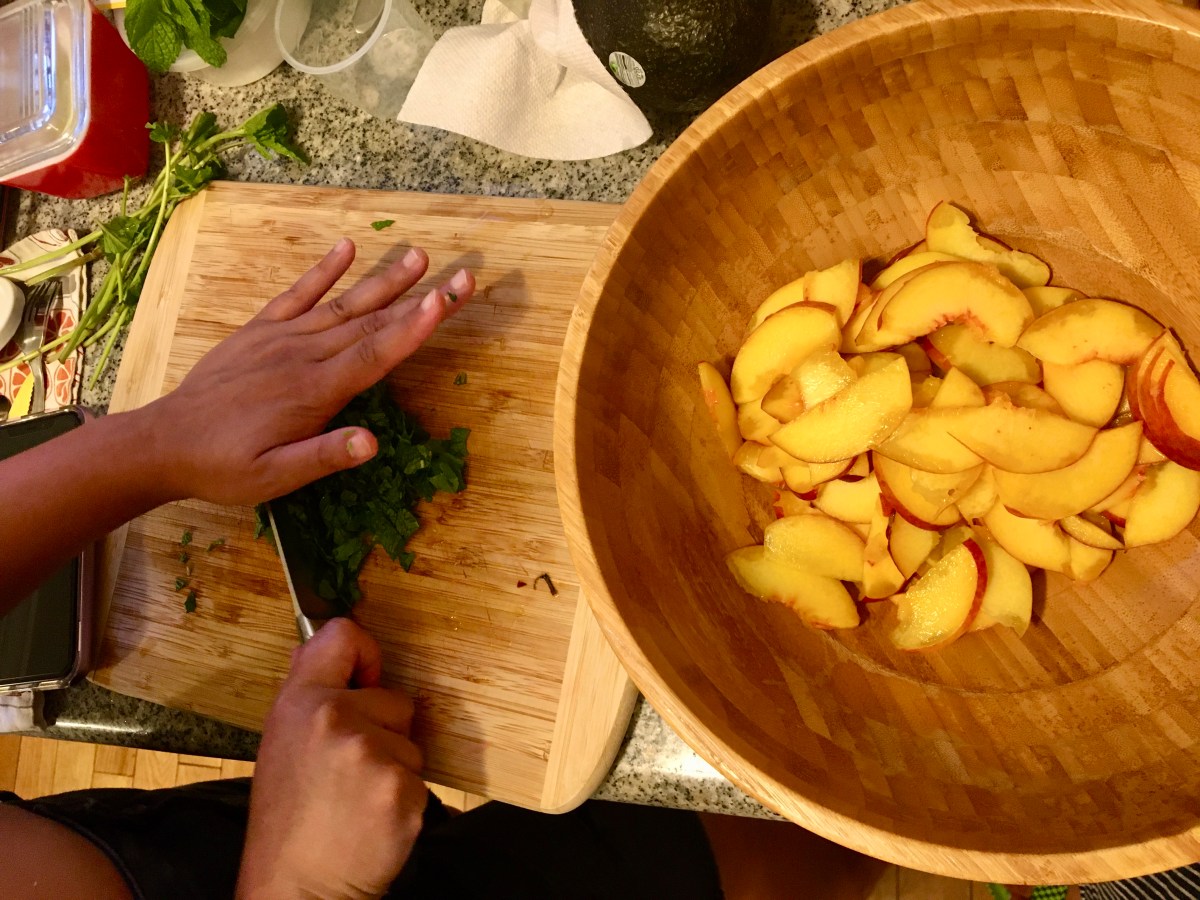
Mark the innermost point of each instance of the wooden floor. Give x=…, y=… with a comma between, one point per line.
x=32, y=767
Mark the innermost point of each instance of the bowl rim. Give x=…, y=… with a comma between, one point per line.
x=1111, y=862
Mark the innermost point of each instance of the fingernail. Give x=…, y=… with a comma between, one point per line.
x=342, y=244
x=459, y=284
x=358, y=446
x=412, y=258
x=433, y=301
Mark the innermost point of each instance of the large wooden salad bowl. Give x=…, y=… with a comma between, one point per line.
x=1068, y=128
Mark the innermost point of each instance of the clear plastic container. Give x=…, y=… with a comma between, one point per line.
x=366, y=52
x=74, y=101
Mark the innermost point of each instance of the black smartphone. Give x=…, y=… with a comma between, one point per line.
x=45, y=640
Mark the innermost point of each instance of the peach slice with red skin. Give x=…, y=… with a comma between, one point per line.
x=1164, y=504
x=789, y=504
x=1019, y=393
x=778, y=345
x=910, y=263
x=986, y=363
x=818, y=543
x=1015, y=439
x=1091, y=329
x=923, y=498
x=948, y=230
x=1008, y=597
x=910, y=545
x=719, y=403
x=819, y=601
x=941, y=604
x=855, y=419
x=1080, y=486
x=1088, y=392
x=1094, y=534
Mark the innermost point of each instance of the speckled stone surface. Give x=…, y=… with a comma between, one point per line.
x=351, y=149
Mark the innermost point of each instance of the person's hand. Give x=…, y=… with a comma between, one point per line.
x=245, y=425
x=337, y=800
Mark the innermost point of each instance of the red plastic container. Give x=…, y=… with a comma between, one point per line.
x=74, y=101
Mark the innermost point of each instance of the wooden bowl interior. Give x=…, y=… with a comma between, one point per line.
x=1067, y=129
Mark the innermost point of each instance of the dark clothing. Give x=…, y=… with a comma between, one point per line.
x=186, y=843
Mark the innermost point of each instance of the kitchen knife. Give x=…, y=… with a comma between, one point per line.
x=311, y=610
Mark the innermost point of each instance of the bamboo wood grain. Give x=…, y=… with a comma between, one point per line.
x=518, y=696
x=1069, y=129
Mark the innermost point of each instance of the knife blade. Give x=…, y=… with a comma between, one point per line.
x=311, y=610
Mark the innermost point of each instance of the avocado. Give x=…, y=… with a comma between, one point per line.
x=676, y=55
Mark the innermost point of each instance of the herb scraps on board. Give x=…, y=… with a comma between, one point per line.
x=185, y=560
x=341, y=518
x=460, y=379
x=159, y=29
x=545, y=576
x=189, y=605
x=191, y=159
x=382, y=224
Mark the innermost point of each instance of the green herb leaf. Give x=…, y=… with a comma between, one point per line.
x=219, y=542
x=341, y=518
x=163, y=133
x=460, y=378
x=186, y=539
x=153, y=33
x=119, y=235
x=382, y=224
x=189, y=604
x=270, y=133
x=181, y=583
x=453, y=296
x=183, y=557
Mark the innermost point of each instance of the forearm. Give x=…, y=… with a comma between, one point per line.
x=57, y=498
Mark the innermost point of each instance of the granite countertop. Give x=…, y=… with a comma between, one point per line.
x=351, y=149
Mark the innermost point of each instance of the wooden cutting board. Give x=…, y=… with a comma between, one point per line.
x=519, y=697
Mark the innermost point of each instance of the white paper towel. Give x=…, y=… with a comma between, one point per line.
x=526, y=81
x=20, y=711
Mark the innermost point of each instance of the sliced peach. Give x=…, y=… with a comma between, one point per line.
x=1176, y=415
x=777, y=346
x=836, y=286
x=948, y=230
x=859, y=469
x=818, y=543
x=746, y=461
x=822, y=375
x=788, y=295
x=756, y=425
x=1163, y=505
x=980, y=497
x=1008, y=597
x=906, y=264
x=802, y=478
x=1032, y=541
x=1072, y=489
x=923, y=441
x=985, y=362
x=719, y=403
x=819, y=601
x=1115, y=506
x=864, y=314
x=940, y=605
x=880, y=577
x=1091, y=329
x=1029, y=396
x=1044, y=298
x=943, y=293
x=910, y=545
x=784, y=401
x=787, y=503
x=1088, y=392
x=958, y=390
x=861, y=415
x=917, y=359
x=923, y=498
x=1086, y=563
x=849, y=501
x=1015, y=439
x=926, y=389
x=1148, y=454
x=1091, y=533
